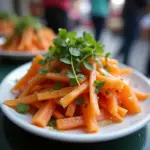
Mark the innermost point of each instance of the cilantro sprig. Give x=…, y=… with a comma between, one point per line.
x=75, y=52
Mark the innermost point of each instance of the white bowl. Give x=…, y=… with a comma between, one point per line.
x=109, y=132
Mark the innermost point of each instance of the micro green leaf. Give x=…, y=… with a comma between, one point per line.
x=78, y=68
x=65, y=60
x=59, y=42
x=88, y=65
x=62, y=33
x=42, y=62
x=43, y=70
x=79, y=100
x=74, y=51
x=108, y=54
x=73, y=82
x=47, y=56
x=77, y=59
x=80, y=76
x=56, y=42
x=98, y=61
x=58, y=85
x=87, y=36
x=52, y=123
x=87, y=49
x=99, y=50
x=72, y=35
x=22, y=108
x=99, y=85
x=70, y=75
x=107, y=68
x=51, y=50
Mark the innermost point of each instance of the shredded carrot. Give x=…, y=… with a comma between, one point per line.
x=69, y=123
x=110, y=83
x=31, y=73
x=109, y=61
x=93, y=96
x=90, y=117
x=26, y=100
x=71, y=109
x=35, y=80
x=140, y=95
x=66, y=100
x=116, y=114
x=54, y=94
x=43, y=115
x=112, y=105
x=58, y=115
x=37, y=104
x=125, y=71
x=129, y=100
x=57, y=77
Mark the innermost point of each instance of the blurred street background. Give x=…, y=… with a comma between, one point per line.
x=104, y=19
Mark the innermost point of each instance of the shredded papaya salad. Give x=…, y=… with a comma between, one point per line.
x=76, y=85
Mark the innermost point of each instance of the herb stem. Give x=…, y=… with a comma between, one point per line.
x=84, y=58
x=74, y=71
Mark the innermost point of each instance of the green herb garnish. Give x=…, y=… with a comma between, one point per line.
x=58, y=85
x=99, y=85
x=88, y=65
x=22, y=108
x=70, y=74
x=52, y=123
x=57, y=70
x=43, y=70
x=108, y=54
x=104, y=74
x=73, y=82
x=42, y=62
x=79, y=101
x=75, y=52
x=107, y=68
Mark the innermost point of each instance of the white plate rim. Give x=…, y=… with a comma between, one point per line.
x=66, y=136
x=20, y=54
